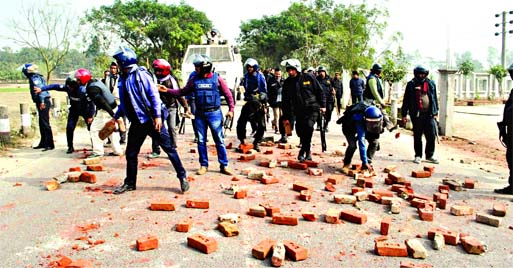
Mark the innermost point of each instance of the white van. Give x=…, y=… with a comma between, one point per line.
x=226, y=61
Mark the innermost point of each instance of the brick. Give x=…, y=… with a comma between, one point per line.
x=271, y=210
x=438, y=241
x=356, y=166
x=329, y=187
x=335, y=179
x=396, y=177
x=228, y=229
x=375, y=198
x=305, y=195
x=438, y=196
x=198, y=203
x=202, y=243
x=278, y=255
x=64, y=261
x=385, y=225
x=163, y=205
x=284, y=146
x=74, y=176
x=426, y=214
x=355, y=190
x=383, y=192
x=365, y=182
x=420, y=196
x=445, y=192
x=431, y=169
x=88, y=177
x=269, y=180
x=241, y=194
x=443, y=187
x=91, y=161
x=332, y=216
x=184, y=225
x=420, y=174
x=453, y=185
x=297, y=165
x=298, y=187
x=353, y=216
x=390, y=168
x=499, y=210
x=352, y=173
x=295, y=251
x=469, y=183
x=193, y=150
x=52, y=185
x=95, y=167
x=361, y=196
x=247, y=171
x=285, y=220
x=488, y=219
x=472, y=245
x=395, y=207
x=264, y=163
x=268, y=151
x=311, y=163
x=416, y=249
x=257, y=211
x=229, y=217
x=309, y=216
x=418, y=203
x=344, y=199
x=390, y=249
x=247, y=157
x=80, y=263
x=388, y=181
x=386, y=200
x=262, y=249
x=442, y=201
x=459, y=210
x=451, y=238
x=245, y=148
x=72, y=169
x=256, y=175
x=147, y=243
x=409, y=264
x=315, y=171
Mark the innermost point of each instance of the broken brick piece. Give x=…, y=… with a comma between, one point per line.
x=88, y=177
x=184, y=225
x=472, y=245
x=257, y=211
x=335, y=179
x=298, y=187
x=202, y=243
x=450, y=237
x=247, y=157
x=71, y=169
x=390, y=168
x=52, y=185
x=469, y=183
x=383, y=192
x=294, y=251
x=80, y=263
x=95, y=167
x=297, y=165
x=315, y=171
x=499, y=210
x=353, y=216
x=228, y=229
x=74, y=176
x=396, y=177
x=409, y=264
x=329, y=187
x=309, y=216
x=426, y=214
x=332, y=216
x=240, y=194
x=245, y=148
x=162, y=205
x=198, y=203
x=64, y=261
x=262, y=249
x=431, y=169
x=385, y=225
x=284, y=220
x=269, y=180
x=271, y=210
x=420, y=174
x=147, y=243
x=305, y=195
x=460, y=210
x=391, y=249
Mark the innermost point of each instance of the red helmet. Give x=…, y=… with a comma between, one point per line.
x=83, y=75
x=162, y=65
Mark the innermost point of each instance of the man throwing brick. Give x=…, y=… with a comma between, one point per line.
x=506, y=136
x=140, y=102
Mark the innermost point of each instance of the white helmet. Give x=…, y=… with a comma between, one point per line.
x=292, y=63
x=251, y=62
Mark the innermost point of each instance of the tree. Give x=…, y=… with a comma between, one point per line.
x=466, y=58
x=152, y=29
x=466, y=67
x=394, y=68
x=499, y=73
x=47, y=29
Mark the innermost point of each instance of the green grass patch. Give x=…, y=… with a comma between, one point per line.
x=9, y=89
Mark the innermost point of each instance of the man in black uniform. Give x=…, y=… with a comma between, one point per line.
x=506, y=135
x=305, y=95
x=326, y=83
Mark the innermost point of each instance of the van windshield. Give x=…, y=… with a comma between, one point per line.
x=217, y=54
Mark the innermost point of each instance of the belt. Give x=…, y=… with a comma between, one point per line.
x=212, y=109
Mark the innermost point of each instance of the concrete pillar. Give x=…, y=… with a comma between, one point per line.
x=446, y=89
x=25, y=119
x=56, y=105
x=393, y=111
x=5, y=127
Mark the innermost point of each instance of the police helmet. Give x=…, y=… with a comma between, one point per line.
x=83, y=76
x=292, y=64
x=510, y=70
x=203, y=62
x=251, y=63
x=420, y=70
x=161, y=65
x=322, y=69
x=373, y=112
x=376, y=68
x=29, y=68
x=71, y=82
x=125, y=57
x=310, y=69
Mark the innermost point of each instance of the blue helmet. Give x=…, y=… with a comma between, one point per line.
x=28, y=69
x=125, y=57
x=373, y=112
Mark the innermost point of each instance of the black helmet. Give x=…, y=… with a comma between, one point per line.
x=420, y=70
x=376, y=68
x=203, y=62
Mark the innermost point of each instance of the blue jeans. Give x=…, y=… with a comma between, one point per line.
x=138, y=133
x=352, y=140
x=214, y=121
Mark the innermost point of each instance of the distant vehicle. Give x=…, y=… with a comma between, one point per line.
x=226, y=61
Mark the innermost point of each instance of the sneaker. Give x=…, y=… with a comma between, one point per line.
x=123, y=188
x=283, y=139
x=417, y=160
x=184, y=185
x=70, y=150
x=432, y=160
x=345, y=169
x=202, y=170
x=505, y=190
x=308, y=156
x=301, y=158
x=154, y=155
x=226, y=171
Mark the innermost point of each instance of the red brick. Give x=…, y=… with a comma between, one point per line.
x=202, y=243
x=301, y=186
x=335, y=179
x=315, y=171
x=244, y=148
x=443, y=187
x=305, y=195
x=431, y=169
x=198, y=203
x=389, y=181
x=193, y=150
x=396, y=177
x=472, y=245
x=285, y=220
x=162, y=205
x=88, y=177
x=247, y=157
x=426, y=214
x=469, y=183
x=499, y=209
x=420, y=174
x=269, y=180
x=184, y=225
x=309, y=216
x=240, y=194
x=332, y=216
x=442, y=201
x=80, y=263
x=284, y=146
x=450, y=237
x=391, y=249
x=355, y=190
x=257, y=211
x=297, y=165
x=375, y=198
x=385, y=225
x=268, y=151
x=263, y=248
x=64, y=261
x=460, y=210
x=74, y=176
x=390, y=168
x=356, y=166
x=409, y=264
x=147, y=243
x=353, y=216
x=383, y=192
x=311, y=163
x=369, y=183
x=438, y=196
x=329, y=187
x=294, y=251
x=443, y=191
x=71, y=169
x=264, y=163
x=96, y=167
x=271, y=210
x=420, y=196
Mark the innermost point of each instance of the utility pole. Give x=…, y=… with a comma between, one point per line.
x=504, y=31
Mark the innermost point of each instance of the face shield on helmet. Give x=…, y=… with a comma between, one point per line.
x=82, y=76
x=420, y=73
x=250, y=62
x=292, y=64
x=203, y=63
x=161, y=67
x=125, y=57
x=71, y=82
x=28, y=69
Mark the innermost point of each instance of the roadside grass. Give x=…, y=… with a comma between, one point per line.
x=12, y=89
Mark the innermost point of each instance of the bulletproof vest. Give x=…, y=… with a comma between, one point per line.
x=207, y=93
x=98, y=86
x=367, y=94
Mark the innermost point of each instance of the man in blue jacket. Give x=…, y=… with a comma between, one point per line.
x=140, y=102
x=43, y=105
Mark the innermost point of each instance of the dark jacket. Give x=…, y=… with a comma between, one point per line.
x=410, y=102
x=367, y=93
x=37, y=80
x=77, y=98
x=326, y=85
x=339, y=87
x=274, y=88
x=303, y=93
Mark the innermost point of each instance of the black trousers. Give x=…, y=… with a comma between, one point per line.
x=425, y=125
x=45, y=130
x=304, y=129
x=253, y=112
x=73, y=116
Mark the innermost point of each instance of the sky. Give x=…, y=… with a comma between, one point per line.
x=430, y=27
